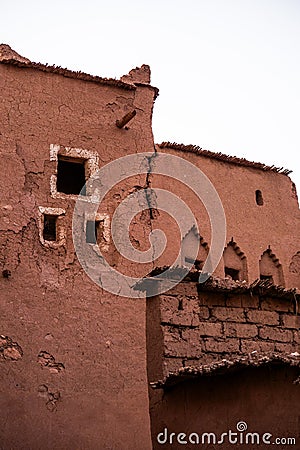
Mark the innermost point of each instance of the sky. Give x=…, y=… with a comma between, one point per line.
x=228, y=71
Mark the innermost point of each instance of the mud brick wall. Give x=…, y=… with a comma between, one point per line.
x=72, y=356
x=199, y=328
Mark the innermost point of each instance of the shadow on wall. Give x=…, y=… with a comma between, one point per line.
x=270, y=268
x=235, y=262
x=265, y=398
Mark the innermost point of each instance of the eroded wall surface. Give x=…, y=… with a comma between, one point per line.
x=72, y=356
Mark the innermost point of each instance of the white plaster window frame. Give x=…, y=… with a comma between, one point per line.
x=60, y=229
x=105, y=241
x=90, y=158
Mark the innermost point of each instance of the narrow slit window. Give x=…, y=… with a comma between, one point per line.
x=49, y=231
x=92, y=231
x=259, y=198
x=232, y=273
x=70, y=175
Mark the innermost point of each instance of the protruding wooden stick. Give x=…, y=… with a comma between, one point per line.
x=121, y=123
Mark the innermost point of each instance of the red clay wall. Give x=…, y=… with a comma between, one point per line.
x=191, y=335
x=264, y=398
x=73, y=357
x=254, y=228
x=199, y=328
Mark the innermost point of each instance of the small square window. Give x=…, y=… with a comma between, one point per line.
x=232, y=273
x=71, y=175
x=49, y=229
x=92, y=231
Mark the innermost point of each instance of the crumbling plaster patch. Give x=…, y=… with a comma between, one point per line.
x=295, y=264
x=47, y=360
x=51, y=397
x=9, y=350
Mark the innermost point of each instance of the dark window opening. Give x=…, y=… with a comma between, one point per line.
x=232, y=273
x=70, y=175
x=180, y=305
x=49, y=231
x=267, y=277
x=196, y=263
x=259, y=198
x=92, y=231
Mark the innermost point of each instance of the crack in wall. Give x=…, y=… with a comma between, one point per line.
x=151, y=196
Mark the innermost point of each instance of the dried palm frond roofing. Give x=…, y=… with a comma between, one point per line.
x=253, y=359
x=10, y=57
x=263, y=288
x=259, y=287
x=69, y=73
x=222, y=157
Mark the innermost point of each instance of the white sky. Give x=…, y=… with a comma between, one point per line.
x=228, y=70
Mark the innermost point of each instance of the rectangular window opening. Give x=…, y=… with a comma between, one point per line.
x=232, y=273
x=92, y=231
x=71, y=175
x=49, y=231
x=196, y=263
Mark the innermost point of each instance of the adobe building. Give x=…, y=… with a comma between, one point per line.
x=82, y=368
